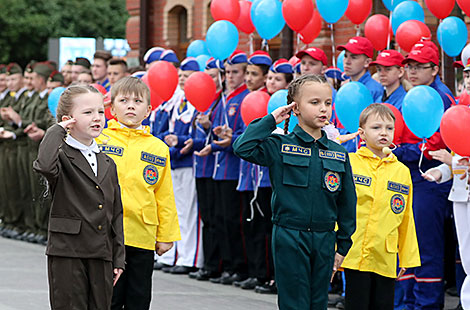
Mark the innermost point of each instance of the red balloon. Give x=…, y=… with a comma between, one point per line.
x=297, y=13
x=200, y=89
x=358, y=10
x=410, y=32
x=163, y=79
x=377, y=29
x=108, y=114
x=254, y=105
x=145, y=79
x=465, y=6
x=244, y=22
x=225, y=10
x=99, y=88
x=440, y=8
x=155, y=100
x=312, y=29
x=455, y=129
x=399, y=123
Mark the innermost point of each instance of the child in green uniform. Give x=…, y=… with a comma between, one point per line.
x=313, y=190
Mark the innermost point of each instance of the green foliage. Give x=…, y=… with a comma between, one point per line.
x=26, y=25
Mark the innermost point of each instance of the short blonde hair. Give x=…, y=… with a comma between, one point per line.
x=381, y=110
x=130, y=85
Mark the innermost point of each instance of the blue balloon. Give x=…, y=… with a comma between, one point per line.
x=422, y=110
x=452, y=35
x=267, y=18
x=53, y=99
x=201, y=60
x=351, y=99
x=332, y=10
x=340, y=61
x=222, y=39
x=391, y=4
x=407, y=10
x=277, y=100
x=197, y=48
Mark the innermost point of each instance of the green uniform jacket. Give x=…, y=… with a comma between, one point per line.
x=312, y=181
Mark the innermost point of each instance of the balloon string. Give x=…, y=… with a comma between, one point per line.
x=388, y=32
x=442, y=56
x=358, y=30
x=265, y=45
x=456, y=86
x=333, y=50
x=251, y=43
x=423, y=148
x=298, y=43
x=223, y=99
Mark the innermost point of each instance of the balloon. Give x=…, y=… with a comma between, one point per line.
x=254, y=105
x=455, y=127
x=340, y=61
x=244, y=20
x=350, y=100
x=201, y=60
x=410, y=32
x=196, y=48
x=452, y=35
x=332, y=10
x=163, y=79
x=377, y=29
x=108, y=114
x=399, y=123
x=465, y=6
x=440, y=8
x=225, y=10
x=200, y=89
x=222, y=39
x=53, y=100
x=267, y=18
x=358, y=10
x=297, y=13
x=155, y=99
x=312, y=29
x=405, y=11
x=277, y=100
x=388, y=4
x=99, y=88
x=422, y=110
x=465, y=55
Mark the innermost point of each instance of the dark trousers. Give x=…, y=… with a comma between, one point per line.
x=229, y=226
x=368, y=290
x=133, y=291
x=25, y=169
x=79, y=283
x=205, y=188
x=14, y=211
x=257, y=229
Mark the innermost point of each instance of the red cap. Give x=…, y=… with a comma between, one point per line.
x=423, y=52
x=389, y=58
x=458, y=64
x=358, y=46
x=314, y=52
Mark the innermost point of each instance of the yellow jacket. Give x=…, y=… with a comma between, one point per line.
x=143, y=166
x=384, y=224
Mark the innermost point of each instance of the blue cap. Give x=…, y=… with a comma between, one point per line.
x=334, y=73
x=213, y=63
x=237, y=57
x=139, y=74
x=297, y=68
x=282, y=66
x=260, y=58
x=189, y=64
x=153, y=54
x=169, y=55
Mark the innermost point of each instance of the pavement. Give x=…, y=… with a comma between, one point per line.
x=23, y=286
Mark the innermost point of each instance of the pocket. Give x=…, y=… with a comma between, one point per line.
x=333, y=172
x=295, y=170
x=391, y=243
x=149, y=215
x=65, y=225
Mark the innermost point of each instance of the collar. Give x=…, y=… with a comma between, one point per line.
x=115, y=125
x=365, y=152
x=4, y=93
x=365, y=77
x=31, y=93
x=237, y=91
x=124, y=126
x=43, y=94
x=71, y=141
x=307, y=138
x=20, y=92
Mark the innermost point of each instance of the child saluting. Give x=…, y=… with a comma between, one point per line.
x=313, y=190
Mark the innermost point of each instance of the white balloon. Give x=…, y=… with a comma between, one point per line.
x=465, y=55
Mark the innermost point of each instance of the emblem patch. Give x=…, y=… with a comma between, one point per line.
x=397, y=203
x=232, y=110
x=362, y=180
x=153, y=159
x=397, y=187
x=150, y=174
x=111, y=149
x=332, y=155
x=296, y=150
x=332, y=181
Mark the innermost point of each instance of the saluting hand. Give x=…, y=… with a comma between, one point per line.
x=282, y=113
x=68, y=124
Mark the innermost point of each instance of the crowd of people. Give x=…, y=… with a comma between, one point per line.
x=256, y=206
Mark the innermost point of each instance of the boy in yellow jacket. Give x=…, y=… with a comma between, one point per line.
x=143, y=166
x=385, y=223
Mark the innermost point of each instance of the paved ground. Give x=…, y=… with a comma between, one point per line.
x=23, y=286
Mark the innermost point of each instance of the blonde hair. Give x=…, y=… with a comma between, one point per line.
x=381, y=110
x=130, y=85
x=65, y=105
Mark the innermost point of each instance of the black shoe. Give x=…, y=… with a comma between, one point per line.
x=23, y=236
x=234, y=277
x=267, y=288
x=193, y=275
x=340, y=303
x=31, y=238
x=41, y=239
x=159, y=266
x=182, y=270
x=167, y=268
x=13, y=234
x=204, y=275
x=250, y=284
x=452, y=291
x=225, y=275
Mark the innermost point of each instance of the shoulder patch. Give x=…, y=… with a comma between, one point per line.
x=397, y=203
x=332, y=181
x=295, y=149
x=397, y=187
x=332, y=155
x=153, y=159
x=150, y=174
x=111, y=149
x=362, y=180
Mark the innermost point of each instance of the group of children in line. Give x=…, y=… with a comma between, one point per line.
x=254, y=206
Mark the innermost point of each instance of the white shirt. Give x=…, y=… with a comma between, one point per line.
x=88, y=151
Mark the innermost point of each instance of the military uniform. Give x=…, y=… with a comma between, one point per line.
x=3, y=191
x=313, y=190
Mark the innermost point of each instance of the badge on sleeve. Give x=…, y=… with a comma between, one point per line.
x=332, y=181
x=397, y=203
x=150, y=174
